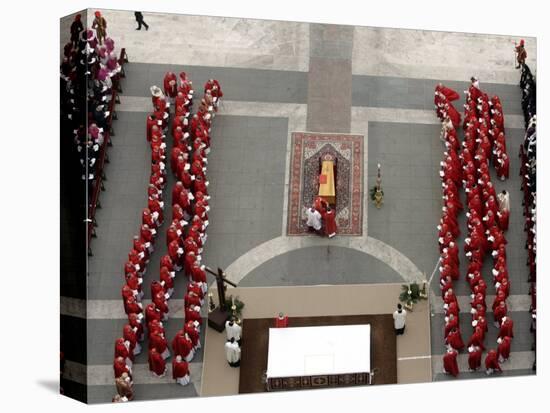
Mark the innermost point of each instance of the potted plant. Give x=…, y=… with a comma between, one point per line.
x=411, y=294
x=234, y=306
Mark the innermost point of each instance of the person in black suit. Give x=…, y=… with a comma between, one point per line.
x=140, y=21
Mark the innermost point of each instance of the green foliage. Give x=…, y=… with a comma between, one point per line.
x=410, y=294
x=238, y=304
x=373, y=192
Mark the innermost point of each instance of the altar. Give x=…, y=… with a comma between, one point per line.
x=320, y=356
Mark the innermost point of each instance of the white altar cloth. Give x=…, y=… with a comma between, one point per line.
x=311, y=351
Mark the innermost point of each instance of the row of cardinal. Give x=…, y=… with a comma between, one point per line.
x=448, y=225
x=191, y=145
x=487, y=219
x=186, y=234
x=128, y=346
x=89, y=74
x=528, y=173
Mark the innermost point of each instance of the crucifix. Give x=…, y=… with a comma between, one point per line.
x=218, y=317
x=220, y=284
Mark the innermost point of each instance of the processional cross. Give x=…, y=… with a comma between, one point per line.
x=221, y=280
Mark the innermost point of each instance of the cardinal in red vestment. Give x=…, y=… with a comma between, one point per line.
x=160, y=301
x=170, y=84
x=120, y=366
x=180, y=371
x=500, y=312
x=450, y=363
x=136, y=324
x=158, y=342
x=152, y=313
x=491, y=362
x=476, y=339
x=198, y=273
x=506, y=327
x=281, y=321
x=503, y=348
x=167, y=280
x=454, y=339
x=132, y=306
x=193, y=313
x=183, y=346
x=474, y=357
x=122, y=349
x=503, y=217
x=191, y=328
x=156, y=363
x=330, y=222
x=192, y=299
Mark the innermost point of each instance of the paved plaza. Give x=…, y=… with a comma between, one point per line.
x=279, y=78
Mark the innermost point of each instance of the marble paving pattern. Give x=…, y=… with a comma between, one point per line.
x=280, y=78
x=434, y=55
x=229, y=42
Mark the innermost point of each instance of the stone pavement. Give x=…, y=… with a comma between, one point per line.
x=279, y=78
x=329, y=87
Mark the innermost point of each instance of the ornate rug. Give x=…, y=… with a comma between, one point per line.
x=307, y=149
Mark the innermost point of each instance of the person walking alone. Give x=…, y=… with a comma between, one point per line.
x=521, y=54
x=100, y=26
x=140, y=21
x=399, y=317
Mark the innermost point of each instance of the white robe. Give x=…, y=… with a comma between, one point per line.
x=399, y=319
x=503, y=201
x=233, y=331
x=183, y=380
x=232, y=352
x=313, y=219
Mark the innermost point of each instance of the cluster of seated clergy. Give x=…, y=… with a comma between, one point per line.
x=90, y=83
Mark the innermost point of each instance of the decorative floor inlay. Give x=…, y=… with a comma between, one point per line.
x=307, y=148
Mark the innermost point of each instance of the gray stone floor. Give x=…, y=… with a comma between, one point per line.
x=329, y=90
x=246, y=170
x=125, y=196
x=410, y=93
x=321, y=265
x=409, y=155
x=250, y=85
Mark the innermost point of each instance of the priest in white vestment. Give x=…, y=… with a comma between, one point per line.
x=233, y=353
x=313, y=219
x=233, y=330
